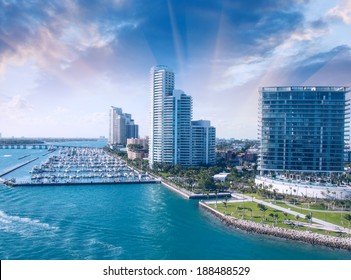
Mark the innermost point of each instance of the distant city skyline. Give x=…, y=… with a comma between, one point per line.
x=64, y=63
x=121, y=127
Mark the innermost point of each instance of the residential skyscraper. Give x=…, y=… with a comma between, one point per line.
x=203, y=150
x=122, y=126
x=162, y=85
x=132, y=129
x=302, y=130
x=183, y=107
x=171, y=115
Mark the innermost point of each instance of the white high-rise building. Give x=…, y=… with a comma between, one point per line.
x=121, y=127
x=171, y=112
x=162, y=86
x=171, y=128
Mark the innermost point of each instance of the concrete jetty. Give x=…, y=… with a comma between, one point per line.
x=190, y=195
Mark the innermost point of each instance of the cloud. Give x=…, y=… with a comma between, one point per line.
x=94, y=118
x=328, y=68
x=61, y=110
x=256, y=28
x=56, y=33
x=341, y=12
x=15, y=109
x=276, y=57
x=84, y=56
x=331, y=67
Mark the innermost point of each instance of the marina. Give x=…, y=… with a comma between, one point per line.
x=79, y=166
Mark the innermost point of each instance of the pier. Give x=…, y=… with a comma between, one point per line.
x=22, y=157
x=16, y=167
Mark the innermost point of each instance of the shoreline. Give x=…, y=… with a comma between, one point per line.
x=180, y=192
x=190, y=195
x=291, y=234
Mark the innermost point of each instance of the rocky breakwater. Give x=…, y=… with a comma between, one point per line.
x=292, y=234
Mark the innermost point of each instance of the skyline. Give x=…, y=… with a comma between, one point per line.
x=63, y=60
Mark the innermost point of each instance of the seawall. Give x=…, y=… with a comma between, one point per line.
x=181, y=192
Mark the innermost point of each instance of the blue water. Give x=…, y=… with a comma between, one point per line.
x=133, y=222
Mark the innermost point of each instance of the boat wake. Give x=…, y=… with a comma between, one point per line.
x=111, y=251
x=22, y=225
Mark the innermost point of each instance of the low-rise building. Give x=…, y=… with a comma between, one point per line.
x=137, y=147
x=221, y=177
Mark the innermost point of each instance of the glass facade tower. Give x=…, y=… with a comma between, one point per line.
x=203, y=150
x=302, y=130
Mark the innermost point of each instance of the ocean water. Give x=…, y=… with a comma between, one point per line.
x=129, y=222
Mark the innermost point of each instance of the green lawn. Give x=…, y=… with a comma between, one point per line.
x=240, y=210
x=331, y=217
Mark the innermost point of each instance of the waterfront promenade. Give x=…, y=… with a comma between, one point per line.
x=321, y=223
x=308, y=189
x=292, y=234
x=253, y=227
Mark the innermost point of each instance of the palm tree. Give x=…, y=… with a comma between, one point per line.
x=270, y=187
x=216, y=191
x=271, y=215
x=262, y=208
x=297, y=219
x=250, y=209
x=225, y=205
x=308, y=217
x=323, y=193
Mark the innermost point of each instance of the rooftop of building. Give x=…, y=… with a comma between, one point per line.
x=305, y=88
x=161, y=67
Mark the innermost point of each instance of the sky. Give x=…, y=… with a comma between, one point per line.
x=64, y=63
